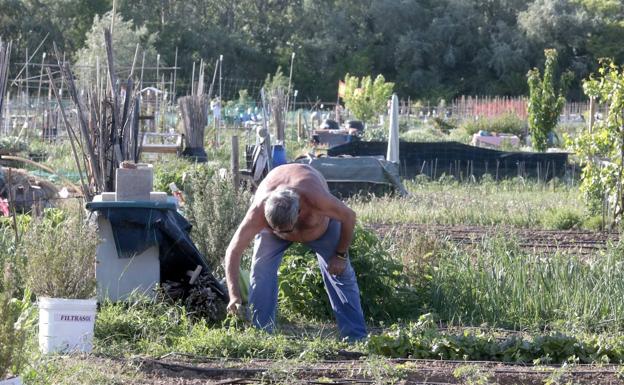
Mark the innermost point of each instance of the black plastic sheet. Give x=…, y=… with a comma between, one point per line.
x=138, y=226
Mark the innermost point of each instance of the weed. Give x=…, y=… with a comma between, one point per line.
x=170, y=171
x=16, y=315
x=215, y=209
x=385, y=293
x=472, y=375
x=515, y=203
x=382, y=372
x=562, y=219
x=81, y=369
x=507, y=123
x=60, y=256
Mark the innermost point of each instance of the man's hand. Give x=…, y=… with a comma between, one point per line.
x=336, y=265
x=234, y=306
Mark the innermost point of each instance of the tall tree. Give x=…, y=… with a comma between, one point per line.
x=545, y=100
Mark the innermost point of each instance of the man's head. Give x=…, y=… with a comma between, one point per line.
x=281, y=210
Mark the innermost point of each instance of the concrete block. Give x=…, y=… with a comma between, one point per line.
x=134, y=184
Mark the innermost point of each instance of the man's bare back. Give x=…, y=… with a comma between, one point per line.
x=307, y=182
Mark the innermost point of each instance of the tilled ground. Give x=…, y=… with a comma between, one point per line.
x=174, y=370
x=582, y=242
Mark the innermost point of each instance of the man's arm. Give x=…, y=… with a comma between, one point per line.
x=332, y=207
x=251, y=225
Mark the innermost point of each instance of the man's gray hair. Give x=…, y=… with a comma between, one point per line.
x=281, y=209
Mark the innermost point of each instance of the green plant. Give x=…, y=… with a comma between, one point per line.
x=515, y=203
x=170, y=171
x=215, y=208
x=594, y=222
x=366, y=98
x=16, y=315
x=545, y=104
x=499, y=283
x=508, y=123
x=138, y=323
x=12, y=144
x=601, y=150
x=446, y=126
x=384, y=290
x=60, y=256
x=562, y=219
x=472, y=375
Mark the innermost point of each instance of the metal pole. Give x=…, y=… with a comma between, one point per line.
x=292, y=60
x=175, y=72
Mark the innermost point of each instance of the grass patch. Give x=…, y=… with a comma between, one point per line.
x=514, y=203
x=500, y=284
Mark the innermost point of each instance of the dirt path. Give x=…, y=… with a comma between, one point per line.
x=582, y=242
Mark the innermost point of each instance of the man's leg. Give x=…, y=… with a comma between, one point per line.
x=267, y=256
x=343, y=290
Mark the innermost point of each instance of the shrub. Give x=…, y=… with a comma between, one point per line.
x=562, y=219
x=15, y=315
x=171, y=171
x=594, y=222
x=60, y=256
x=444, y=125
x=365, y=97
x=383, y=287
x=215, y=209
x=508, y=123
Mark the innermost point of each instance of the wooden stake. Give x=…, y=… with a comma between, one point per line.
x=234, y=162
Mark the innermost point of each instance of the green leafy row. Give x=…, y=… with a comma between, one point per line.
x=423, y=340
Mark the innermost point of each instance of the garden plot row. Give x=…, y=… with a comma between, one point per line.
x=373, y=371
x=581, y=242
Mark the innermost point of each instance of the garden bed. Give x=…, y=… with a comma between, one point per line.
x=580, y=242
x=191, y=371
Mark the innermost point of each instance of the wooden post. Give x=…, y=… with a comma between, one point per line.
x=592, y=112
x=299, y=126
x=234, y=162
x=12, y=207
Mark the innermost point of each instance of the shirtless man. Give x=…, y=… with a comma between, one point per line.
x=293, y=204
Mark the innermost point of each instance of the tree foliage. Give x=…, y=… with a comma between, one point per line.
x=366, y=98
x=545, y=101
x=601, y=149
x=430, y=49
x=125, y=40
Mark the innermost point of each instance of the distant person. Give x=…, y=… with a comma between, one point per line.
x=293, y=204
x=215, y=105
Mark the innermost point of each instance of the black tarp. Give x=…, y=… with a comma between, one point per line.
x=138, y=226
x=348, y=176
x=460, y=160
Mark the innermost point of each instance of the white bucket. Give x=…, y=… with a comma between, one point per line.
x=66, y=325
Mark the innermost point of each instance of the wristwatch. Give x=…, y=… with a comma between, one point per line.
x=341, y=255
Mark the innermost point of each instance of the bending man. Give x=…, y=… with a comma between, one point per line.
x=293, y=204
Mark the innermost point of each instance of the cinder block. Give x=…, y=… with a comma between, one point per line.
x=158, y=196
x=134, y=184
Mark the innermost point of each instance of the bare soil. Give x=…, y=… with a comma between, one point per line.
x=177, y=371
x=582, y=242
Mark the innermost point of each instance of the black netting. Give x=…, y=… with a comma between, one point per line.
x=452, y=158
